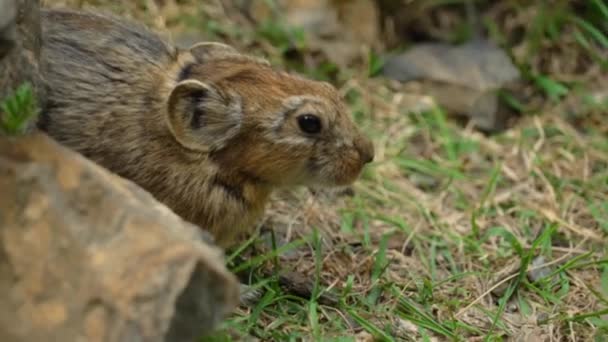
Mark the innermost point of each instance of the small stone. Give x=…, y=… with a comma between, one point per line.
x=535, y=273
x=423, y=181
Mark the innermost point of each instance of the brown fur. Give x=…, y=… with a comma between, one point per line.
x=208, y=131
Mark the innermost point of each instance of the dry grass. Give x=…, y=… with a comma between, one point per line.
x=443, y=230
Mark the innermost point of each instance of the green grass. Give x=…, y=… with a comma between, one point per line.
x=18, y=110
x=468, y=220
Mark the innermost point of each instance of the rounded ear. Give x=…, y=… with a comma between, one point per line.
x=201, y=118
x=205, y=51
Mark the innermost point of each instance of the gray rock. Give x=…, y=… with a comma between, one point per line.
x=464, y=79
x=478, y=65
x=8, y=29
x=88, y=256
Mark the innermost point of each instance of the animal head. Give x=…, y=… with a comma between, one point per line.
x=267, y=125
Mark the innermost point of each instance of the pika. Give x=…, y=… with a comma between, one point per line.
x=208, y=131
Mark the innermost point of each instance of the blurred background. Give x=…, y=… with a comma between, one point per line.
x=488, y=61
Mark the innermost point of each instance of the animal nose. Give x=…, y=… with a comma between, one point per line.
x=365, y=147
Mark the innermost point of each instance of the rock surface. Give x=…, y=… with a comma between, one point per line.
x=88, y=256
x=8, y=29
x=464, y=79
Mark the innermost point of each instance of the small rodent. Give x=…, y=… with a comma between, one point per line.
x=208, y=131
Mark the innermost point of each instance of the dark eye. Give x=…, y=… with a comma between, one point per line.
x=309, y=123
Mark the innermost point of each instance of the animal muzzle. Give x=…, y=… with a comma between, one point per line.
x=365, y=147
